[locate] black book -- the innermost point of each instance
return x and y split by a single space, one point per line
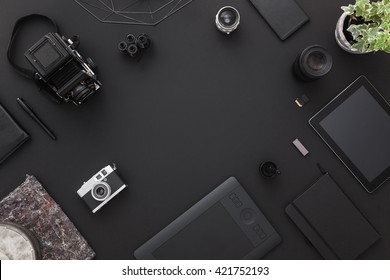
12 136
331 222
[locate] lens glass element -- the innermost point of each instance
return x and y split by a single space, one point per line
101 191
316 60
227 17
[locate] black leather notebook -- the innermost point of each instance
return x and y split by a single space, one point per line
331 222
284 16
12 136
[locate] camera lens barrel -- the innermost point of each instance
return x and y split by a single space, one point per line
227 19
81 92
101 191
312 63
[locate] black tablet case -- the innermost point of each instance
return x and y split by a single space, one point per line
12 136
331 222
284 16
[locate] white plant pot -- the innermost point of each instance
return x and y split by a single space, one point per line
340 37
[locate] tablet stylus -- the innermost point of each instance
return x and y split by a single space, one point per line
31 113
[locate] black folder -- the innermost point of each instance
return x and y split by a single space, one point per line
331 222
12 136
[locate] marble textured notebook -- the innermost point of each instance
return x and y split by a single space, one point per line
31 206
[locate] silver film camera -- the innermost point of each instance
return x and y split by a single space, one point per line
101 188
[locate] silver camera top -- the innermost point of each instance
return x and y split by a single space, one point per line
99 177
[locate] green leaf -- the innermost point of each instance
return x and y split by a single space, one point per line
355 30
360 46
350 9
374 33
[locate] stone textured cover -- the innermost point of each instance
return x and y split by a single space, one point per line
31 206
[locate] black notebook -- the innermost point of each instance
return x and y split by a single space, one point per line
332 223
12 136
284 16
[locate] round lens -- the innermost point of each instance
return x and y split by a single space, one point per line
227 17
101 191
81 92
316 61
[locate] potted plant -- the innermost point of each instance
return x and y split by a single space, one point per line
364 27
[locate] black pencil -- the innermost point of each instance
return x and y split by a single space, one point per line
31 113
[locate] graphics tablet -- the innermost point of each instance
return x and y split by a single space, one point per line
225 224
356 126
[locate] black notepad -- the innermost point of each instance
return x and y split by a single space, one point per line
12 136
284 16
331 222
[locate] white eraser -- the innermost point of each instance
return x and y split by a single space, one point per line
300 147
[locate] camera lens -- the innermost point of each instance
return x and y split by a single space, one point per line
227 19
101 191
312 63
81 92
316 61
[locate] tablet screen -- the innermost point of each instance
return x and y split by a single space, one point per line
361 129
356 126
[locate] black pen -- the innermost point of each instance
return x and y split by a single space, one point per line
31 113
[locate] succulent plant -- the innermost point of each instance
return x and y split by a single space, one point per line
369 25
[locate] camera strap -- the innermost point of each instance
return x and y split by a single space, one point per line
21 70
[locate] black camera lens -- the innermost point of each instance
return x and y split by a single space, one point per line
227 19
101 191
316 61
81 92
312 63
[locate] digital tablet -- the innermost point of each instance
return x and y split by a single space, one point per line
225 224
356 126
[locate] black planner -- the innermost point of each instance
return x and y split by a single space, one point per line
283 16
331 222
12 136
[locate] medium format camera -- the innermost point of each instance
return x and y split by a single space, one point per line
60 69
101 188
227 19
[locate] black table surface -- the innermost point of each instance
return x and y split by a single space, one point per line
199 107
